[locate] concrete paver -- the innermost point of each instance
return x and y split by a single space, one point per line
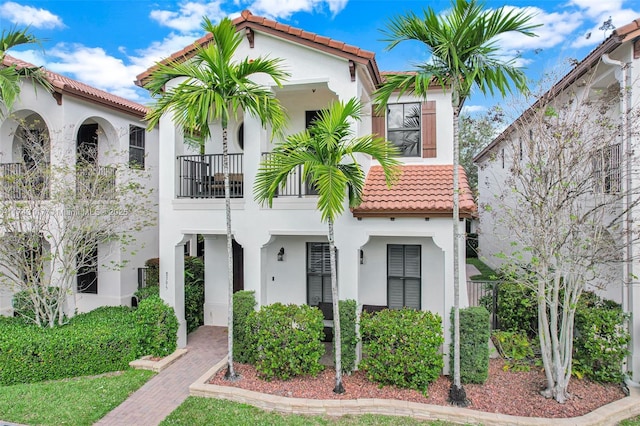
157 398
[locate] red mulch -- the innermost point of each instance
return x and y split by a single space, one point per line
507 392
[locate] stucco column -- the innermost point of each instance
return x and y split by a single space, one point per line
172 281
215 280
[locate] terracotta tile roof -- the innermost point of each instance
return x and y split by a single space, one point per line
421 191
66 86
297 35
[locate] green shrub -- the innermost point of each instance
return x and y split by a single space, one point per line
147 292
193 292
475 332
348 334
286 339
153 272
515 348
402 347
97 342
244 302
157 327
517 308
601 340
23 305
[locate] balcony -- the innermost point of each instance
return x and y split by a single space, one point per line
201 176
22 181
95 182
294 186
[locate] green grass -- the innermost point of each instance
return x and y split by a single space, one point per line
80 401
486 273
207 411
635 421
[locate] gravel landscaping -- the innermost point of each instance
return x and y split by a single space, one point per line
507 392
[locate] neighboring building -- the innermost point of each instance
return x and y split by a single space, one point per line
80 120
395 249
610 67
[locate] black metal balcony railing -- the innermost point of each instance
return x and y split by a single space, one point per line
201 176
21 181
294 186
96 182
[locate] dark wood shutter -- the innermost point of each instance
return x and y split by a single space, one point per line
429 142
378 122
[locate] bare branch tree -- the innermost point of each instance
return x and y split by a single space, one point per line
54 216
560 200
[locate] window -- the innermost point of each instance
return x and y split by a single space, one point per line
606 170
403 276
87 144
318 274
403 128
502 157
136 147
87 276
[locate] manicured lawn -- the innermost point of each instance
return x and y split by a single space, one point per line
207 411
80 401
486 273
630 422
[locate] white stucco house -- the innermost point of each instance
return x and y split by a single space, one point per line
612 67
395 249
78 118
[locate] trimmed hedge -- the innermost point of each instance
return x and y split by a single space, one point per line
402 347
244 302
286 339
97 342
147 292
475 332
601 340
348 335
157 327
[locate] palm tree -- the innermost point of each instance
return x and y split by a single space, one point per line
326 153
463 44
10 75
215 88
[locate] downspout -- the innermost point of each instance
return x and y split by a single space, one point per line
625 84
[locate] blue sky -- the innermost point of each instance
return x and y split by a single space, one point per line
107 43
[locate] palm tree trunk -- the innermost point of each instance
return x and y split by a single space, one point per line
457 394
230 374
337 337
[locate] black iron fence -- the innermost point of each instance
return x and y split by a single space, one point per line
96 182
485 293
22 181
201 176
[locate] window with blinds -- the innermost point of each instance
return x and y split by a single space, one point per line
403 276
318 274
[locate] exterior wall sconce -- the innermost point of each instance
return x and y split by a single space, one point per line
281 254
361 257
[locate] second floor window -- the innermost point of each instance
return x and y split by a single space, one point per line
136 147
403 128
606 170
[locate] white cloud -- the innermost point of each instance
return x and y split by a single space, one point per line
189 16
93 66
283 9
30 16
159 50
473 109
618 18
597 8
555 29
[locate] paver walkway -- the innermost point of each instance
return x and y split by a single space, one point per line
150 404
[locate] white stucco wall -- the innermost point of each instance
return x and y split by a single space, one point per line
115 287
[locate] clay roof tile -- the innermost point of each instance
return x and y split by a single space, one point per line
422 190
